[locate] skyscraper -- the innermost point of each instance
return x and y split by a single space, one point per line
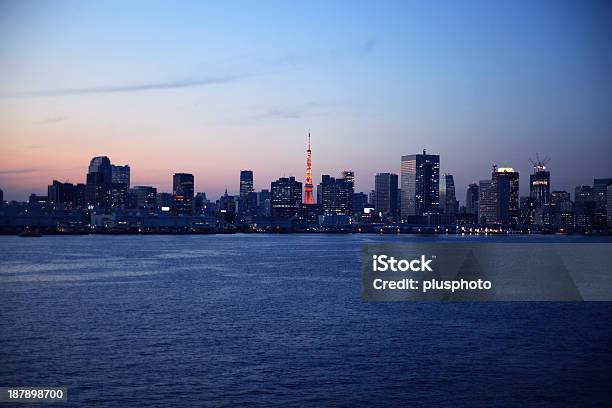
507 183
471 199
335 196
308 187
286 197
385 194
539 183
448 200
182 191
487 202
246 183
584 206
420 184
99 180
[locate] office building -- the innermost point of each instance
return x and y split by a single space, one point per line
507 184
182 192
385 194
99 180
420 178
471 199
145 197
487 202
246 183
120 175
286 195
539 184
61 193
335 196
448 201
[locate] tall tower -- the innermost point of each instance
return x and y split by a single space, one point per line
308 196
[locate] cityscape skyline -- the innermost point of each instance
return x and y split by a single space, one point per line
226 87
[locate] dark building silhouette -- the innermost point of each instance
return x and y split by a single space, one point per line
448 201
246 182
420 178
99 180
471 199
506 181
145 197
584 207
539 184
61 193
120 186
385 194
360 201
286 197
182 192
335 196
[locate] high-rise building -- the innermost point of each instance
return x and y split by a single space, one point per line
146 197
1 197
487 202
600 192
448 201
246 183
264 203
539 183
385 194
182 191
79 195
471 199
99 180
360 201
507 183
349 176
286 195
120 174
335 196
120 186
61 193
308 187
584 207
420 184
561 211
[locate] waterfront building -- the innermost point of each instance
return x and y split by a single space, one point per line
584 207
145 197
420 178
335 196
99 180
246 183
471 199
448 201
286 197
487 202
539 183
385 194
506 181
182 192
61 193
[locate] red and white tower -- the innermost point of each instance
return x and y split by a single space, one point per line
308 196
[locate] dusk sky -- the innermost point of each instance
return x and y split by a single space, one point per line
215 87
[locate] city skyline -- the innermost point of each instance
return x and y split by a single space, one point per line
236 86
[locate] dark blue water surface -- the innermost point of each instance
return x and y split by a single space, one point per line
276 320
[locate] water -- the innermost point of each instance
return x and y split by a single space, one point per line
276 320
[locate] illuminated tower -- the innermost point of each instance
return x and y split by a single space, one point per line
308 196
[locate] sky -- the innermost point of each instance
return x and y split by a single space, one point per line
212 88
